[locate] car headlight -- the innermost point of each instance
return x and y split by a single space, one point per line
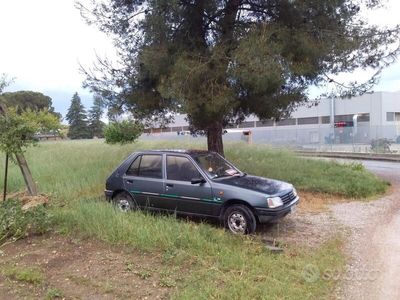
294 191
274 202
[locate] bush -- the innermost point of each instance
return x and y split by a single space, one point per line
123 132
16 223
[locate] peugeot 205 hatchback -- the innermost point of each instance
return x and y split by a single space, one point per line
201 183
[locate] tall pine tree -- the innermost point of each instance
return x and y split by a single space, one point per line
76 117
95 113
222 60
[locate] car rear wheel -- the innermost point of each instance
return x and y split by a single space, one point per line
239 219
124 202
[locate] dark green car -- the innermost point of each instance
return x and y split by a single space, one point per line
200 183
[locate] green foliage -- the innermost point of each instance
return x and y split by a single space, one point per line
96 126
16 223
219 61
347 180
215 264
123 132
76 117
25 275
54 293
221 265
55 162
18 129
29 100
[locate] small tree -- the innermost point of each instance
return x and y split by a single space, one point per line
96 126
18 130
123 132
76 117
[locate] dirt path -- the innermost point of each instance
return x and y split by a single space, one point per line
374 241
82 269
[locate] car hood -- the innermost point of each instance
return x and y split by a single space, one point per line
259 184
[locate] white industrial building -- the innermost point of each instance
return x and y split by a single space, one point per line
356 120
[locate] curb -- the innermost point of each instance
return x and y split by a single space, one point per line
352 155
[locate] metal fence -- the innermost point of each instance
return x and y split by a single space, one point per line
362 139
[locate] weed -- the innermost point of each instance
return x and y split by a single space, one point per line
143 274
16 223
54 293
167 282
129 267
28 275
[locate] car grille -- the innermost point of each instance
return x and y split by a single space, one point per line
287 198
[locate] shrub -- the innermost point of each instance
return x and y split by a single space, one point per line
123 132
16 223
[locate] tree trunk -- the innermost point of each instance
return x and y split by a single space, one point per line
26 173
214 138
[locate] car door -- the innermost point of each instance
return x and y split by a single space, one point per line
191 198
144 180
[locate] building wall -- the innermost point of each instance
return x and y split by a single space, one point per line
376 105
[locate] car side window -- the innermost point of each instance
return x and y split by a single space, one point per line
134 168
147 165
180 168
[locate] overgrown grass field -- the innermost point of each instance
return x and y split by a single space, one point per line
71 170
214 263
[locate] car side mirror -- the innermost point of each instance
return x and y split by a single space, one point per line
197 180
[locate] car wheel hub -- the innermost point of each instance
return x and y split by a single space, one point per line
123 205
237 223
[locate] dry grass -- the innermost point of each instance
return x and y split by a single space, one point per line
29 201
314 202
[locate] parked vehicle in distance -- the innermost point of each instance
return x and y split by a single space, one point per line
200 183
183 132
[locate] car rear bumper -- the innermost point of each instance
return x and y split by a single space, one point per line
270 214
108 194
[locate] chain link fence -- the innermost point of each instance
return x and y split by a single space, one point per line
361 139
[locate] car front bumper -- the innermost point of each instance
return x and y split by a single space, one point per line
270 214
108 194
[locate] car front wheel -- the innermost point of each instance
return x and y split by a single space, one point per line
239 219
124 202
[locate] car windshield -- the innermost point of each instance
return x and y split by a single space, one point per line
215 165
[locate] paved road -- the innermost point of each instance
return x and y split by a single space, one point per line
387 170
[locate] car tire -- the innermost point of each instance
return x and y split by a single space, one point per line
239 219
124 202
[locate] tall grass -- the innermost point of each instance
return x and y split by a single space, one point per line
75 169
347 180
216 264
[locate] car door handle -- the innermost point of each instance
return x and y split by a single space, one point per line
170 185
129 181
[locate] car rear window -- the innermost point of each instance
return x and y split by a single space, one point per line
147 165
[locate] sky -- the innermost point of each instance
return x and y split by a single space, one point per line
43 42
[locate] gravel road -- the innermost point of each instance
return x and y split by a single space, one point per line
373 245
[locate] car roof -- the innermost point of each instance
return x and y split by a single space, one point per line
177 151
